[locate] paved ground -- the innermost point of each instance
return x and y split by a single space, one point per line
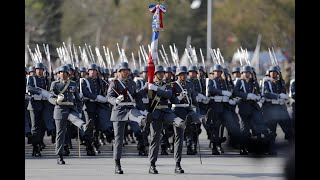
227 166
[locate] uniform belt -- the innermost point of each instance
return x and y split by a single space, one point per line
126 104
66 103
161 107
180 105
274 101
220 98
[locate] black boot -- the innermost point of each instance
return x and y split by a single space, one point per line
164 149
190 150
36 151
243 150
152 169
143 151
90 150
29 137
215 150
118 169
178 168
195 150
42 145
60 159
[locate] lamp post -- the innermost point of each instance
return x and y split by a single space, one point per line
195 5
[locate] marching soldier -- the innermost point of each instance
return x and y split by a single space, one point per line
168 131
236 74
67 107
122 94
274 108
222 111
197 87
185 105
160 113
249 110
36 107
27 121
94 90
292 95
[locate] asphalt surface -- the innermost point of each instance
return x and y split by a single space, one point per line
229 165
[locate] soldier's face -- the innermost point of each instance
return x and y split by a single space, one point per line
273 74
93 73
63 75
124 73
83 74
182 76
246 75
160 75
193 74
144 75
39 72
236 74
217 73
201 73
168 75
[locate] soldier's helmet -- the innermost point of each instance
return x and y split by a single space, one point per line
26 69
225 70
174 69
144 69
114 70
123 66
181 69
99 69
76 69
246 68
217 67
31 69
83 69
70 66
267 73
236 69
39 66
46 68
63 68
253 70
193 68
273 68
106 71
159 68
92 67
201 68
135 72
168 69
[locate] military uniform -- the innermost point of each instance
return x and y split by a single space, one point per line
67 107
160 113
36 107
274 107
122 94
221 111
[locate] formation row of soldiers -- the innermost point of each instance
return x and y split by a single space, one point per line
105 103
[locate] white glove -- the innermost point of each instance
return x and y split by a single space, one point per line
251 96
80 95
101 99
232 102
80 115
206 100
201 96
145 112
119 99
60 98
226 93
198 99
258 97
181 96
153 87
283 96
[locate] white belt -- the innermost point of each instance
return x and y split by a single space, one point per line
126 104
161 107
275 101
37 97
66 103
145 100
180 105
220 98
